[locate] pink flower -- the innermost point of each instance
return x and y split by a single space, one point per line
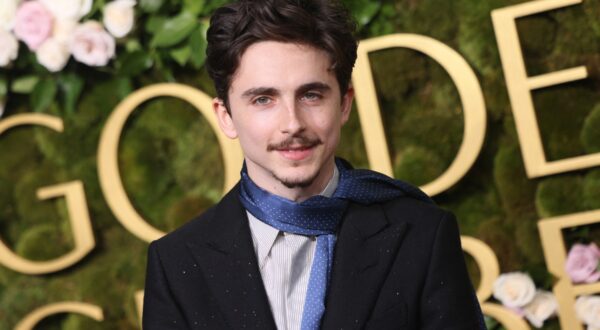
582 263
33 24
92 45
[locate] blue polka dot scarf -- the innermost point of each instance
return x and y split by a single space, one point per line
320 216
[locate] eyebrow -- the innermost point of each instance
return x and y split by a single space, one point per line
260 91
319 86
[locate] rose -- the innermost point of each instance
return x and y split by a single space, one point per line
542 307
53 55
33 23
9 49
63 30
582 263
587 309
91 44
119 17
514 290
68 9
8 9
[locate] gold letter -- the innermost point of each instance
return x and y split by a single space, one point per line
76 204
520 86
489 270
555 253
108 167
470 94
139 304
39 314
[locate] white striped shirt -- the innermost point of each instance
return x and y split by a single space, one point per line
285 261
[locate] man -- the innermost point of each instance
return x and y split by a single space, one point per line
303 241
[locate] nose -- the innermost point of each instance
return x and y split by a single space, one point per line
292 120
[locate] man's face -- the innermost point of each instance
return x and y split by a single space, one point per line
287 111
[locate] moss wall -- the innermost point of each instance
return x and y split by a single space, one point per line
172 168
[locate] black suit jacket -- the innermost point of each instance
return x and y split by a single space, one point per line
397 265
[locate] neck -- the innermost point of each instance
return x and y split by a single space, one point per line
296 194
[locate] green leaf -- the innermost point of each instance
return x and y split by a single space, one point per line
133 45
3 87
123 87
43 94
71 86
174 30
194 6
198 45
24 85
181 55
212 5
151 6
154 23
132 64
363 10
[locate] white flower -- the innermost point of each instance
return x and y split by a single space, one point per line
8 10
588 310
119 17
9 49
68 9
514 290
542 307
63 30
91 44
53 55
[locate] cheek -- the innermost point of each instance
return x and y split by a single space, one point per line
254 129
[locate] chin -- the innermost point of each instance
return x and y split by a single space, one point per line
301 180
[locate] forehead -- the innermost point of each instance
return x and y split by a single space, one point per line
281 65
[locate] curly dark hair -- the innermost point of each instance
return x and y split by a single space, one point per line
323 24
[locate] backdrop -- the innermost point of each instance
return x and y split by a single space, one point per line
172 167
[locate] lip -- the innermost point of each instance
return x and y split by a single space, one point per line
296 153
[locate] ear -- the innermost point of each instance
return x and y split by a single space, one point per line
347 100
224 118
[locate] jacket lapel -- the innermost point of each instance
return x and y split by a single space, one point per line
366 248
229 266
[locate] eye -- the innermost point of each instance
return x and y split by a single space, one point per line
311 96
262 100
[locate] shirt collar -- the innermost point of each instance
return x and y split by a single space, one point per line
263 235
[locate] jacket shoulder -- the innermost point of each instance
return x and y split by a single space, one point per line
207 225
411 210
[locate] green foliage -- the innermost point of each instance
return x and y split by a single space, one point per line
559 195
515 190
590 134
591 190
410 165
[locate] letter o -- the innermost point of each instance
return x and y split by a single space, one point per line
108 167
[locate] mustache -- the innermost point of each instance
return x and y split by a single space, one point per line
296 141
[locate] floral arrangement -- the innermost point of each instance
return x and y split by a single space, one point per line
517 292
582 267
52 48
53 31
588 311
582 263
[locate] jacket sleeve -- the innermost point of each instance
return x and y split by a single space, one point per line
448 300
161 311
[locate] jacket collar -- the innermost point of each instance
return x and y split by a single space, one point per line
226 253
229 266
